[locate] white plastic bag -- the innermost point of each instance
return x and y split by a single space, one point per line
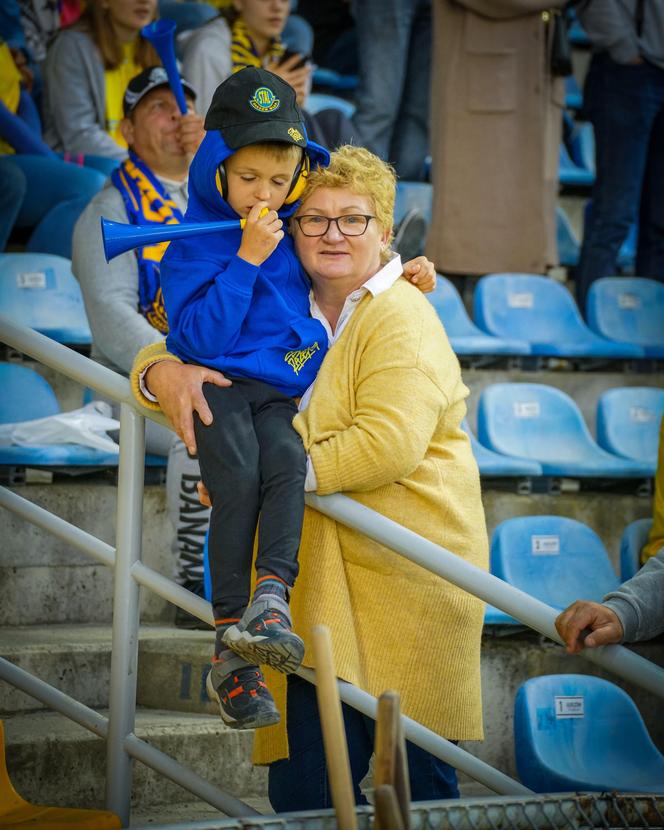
87 426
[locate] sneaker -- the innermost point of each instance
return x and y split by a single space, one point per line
264 635
244 700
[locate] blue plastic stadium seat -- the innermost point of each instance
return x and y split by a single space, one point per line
464 335
492 464
628 422
334 80
554 559
530 420
26 395
570 173
413 196
569 247
579 733
543 313
634 537
318 101
629 308
39 291
582 146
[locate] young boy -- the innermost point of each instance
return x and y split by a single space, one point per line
237 301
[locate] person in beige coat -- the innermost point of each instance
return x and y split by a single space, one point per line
496 126
381 423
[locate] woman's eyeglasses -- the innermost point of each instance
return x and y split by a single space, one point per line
353 224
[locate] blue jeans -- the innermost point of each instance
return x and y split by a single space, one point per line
300 782
394 53
625 104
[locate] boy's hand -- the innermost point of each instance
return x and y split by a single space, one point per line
261 235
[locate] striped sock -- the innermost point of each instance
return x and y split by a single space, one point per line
271 584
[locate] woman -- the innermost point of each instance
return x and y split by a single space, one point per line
86 72
250 34
383 424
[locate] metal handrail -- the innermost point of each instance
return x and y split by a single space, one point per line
129 573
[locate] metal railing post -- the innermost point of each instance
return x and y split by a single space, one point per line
126 611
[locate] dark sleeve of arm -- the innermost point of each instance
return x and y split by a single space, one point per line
611 28
639 602
206 304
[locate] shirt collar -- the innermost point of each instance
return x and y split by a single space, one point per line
381 281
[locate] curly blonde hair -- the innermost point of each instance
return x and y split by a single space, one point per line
362 172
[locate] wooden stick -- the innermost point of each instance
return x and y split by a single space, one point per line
402 778
334 735
386 811
387 736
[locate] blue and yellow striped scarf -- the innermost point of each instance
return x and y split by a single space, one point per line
243 50
147 203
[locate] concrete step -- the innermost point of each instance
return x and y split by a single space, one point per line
45 581
54 761
76 659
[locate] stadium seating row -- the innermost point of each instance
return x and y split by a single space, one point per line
524 430
515 314
558 560
526 314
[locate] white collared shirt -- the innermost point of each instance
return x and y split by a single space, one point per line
381 281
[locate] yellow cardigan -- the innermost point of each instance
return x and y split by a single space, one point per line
384 426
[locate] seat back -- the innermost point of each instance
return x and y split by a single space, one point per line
568 244
451 310
572 732
40 291
629 309
634 537
413 196
318 101
526 306
531 420
25 395
628 421
552 558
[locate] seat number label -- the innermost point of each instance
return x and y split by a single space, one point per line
545 545
569 706
526 409
627 300
31 279
521 300
641 415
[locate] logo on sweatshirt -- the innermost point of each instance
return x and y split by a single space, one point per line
264 100
296 360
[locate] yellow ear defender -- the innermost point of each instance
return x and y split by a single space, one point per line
296 189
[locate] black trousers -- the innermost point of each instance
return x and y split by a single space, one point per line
252 462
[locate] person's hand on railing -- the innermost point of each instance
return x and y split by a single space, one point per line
179 389
582 616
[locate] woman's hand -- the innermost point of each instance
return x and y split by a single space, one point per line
422 273
261 234
179 389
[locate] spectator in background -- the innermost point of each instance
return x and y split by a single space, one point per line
496 126
335 41
123 297
394 54
249 34
624 101
41 192
86 71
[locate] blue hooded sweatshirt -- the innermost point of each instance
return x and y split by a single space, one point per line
225 313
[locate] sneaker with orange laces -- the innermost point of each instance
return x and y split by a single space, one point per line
240 690
264 635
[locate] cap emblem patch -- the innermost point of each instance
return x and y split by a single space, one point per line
264 100
295 134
